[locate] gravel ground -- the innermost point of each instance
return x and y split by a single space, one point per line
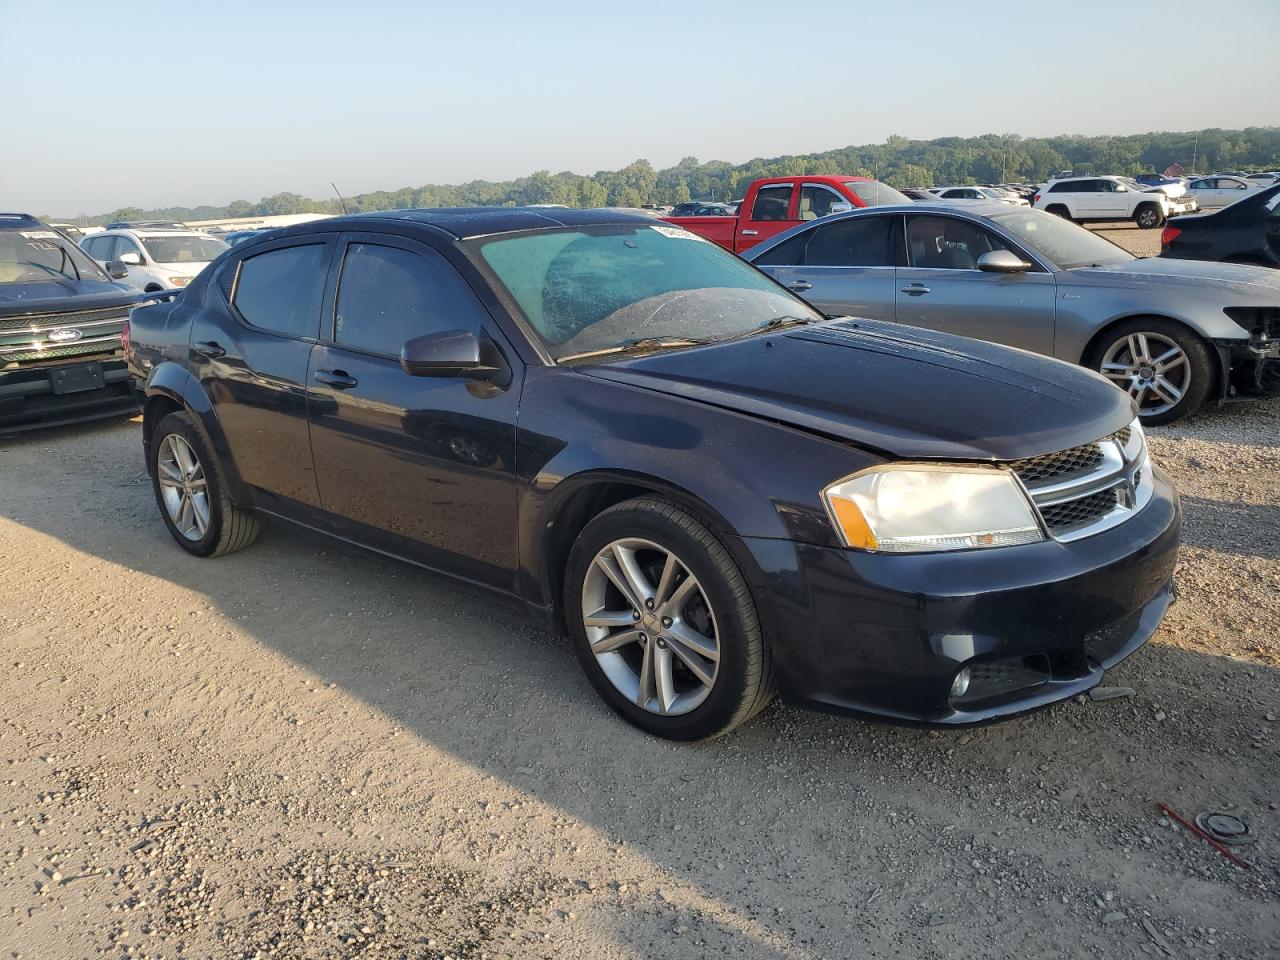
305 751
1141 243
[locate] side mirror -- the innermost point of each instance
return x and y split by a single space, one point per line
840 207
1121 188
132 259
1002 261
455 353
116 270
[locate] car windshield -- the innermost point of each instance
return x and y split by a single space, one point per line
28 256
592 290
876 194
183 249
1061 242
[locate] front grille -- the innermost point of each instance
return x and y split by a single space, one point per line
1088 488
1054 466
28 338
1066 517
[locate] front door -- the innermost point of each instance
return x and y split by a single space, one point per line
421 467
772 211
251 351
943 289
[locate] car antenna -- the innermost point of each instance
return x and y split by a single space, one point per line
340 200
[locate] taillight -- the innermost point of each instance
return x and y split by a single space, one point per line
1168 235
1036 198
125 343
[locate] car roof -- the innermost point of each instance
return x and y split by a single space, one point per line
465 223
154 232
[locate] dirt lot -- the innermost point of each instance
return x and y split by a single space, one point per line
1141 243
307 751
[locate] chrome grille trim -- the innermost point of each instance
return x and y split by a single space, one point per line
1088 489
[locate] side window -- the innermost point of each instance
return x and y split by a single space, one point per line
949 243
1235 185
1104 186
789 253
97 247
772 203
387 295
856 242
280 290
815 202
1067 187
125 245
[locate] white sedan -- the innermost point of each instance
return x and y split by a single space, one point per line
1213 193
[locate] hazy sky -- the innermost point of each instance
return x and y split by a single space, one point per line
179 103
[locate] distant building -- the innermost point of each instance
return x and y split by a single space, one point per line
254 223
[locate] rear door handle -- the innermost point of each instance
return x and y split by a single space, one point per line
209 348
799 285
915 289
751 233
338 379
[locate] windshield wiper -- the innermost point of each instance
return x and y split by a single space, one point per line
637 345
786 320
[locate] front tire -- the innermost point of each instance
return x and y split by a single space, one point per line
187 480
1148 216
663 623
1166 368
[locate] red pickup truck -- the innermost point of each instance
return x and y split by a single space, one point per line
775 204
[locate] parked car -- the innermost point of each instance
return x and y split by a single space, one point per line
1263 179
158 258
60 322
1214 193
1103 198
646 442
1173 335
775 204
1246 232
700 209
979 193
918 194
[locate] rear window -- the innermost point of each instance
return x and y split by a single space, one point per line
280 290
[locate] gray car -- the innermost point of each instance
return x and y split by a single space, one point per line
1173 333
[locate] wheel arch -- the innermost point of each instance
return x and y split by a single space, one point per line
579 499
1222 370
172 388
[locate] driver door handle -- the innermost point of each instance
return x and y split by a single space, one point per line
915 289
338 379
799 285
209 348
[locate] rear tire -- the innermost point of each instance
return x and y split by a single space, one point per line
687 622
1058 210
189 489
1148 216
1166 367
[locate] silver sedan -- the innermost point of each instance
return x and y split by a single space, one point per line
1174 333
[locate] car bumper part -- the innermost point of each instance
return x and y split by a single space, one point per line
45 395
886 636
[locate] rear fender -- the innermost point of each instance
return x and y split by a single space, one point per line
175 382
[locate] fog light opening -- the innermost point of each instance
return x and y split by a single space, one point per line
960 685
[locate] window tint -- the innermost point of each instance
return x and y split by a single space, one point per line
856 242
1104 186
280 290
387 296
772 203
788 253
1063 188
949 243
815 202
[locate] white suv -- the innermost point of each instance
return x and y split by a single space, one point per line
157 258
1104 198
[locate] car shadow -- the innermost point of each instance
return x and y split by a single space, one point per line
832 812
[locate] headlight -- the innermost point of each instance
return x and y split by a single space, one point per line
917 508
179 281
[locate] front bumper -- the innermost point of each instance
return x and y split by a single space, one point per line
30 397
885 635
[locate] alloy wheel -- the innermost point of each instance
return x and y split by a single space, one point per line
1151 367
183 487
650 626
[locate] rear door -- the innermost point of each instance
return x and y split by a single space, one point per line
422 467
844 268
251 349
772 211
942 288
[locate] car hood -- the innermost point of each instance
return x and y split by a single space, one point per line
1239 278
69 296
898 390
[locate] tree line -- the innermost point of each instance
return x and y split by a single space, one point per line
992 158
